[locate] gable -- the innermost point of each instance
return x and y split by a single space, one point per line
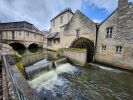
80 21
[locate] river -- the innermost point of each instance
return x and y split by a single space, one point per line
69 82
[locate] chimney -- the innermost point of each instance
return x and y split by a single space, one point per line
122 3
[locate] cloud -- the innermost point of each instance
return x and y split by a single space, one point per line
40 12
97 20
108 5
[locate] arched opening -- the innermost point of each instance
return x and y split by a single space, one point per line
33 48
84 43
20 48
17 46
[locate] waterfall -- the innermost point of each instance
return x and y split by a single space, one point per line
52 79
41 66
37 68
61 61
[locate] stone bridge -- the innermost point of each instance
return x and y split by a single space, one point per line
22 44
13 84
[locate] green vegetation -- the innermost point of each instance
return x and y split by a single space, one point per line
51 50
72 49
19 62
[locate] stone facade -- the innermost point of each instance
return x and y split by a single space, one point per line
77 57
121 21
22 32
79 22
53 41
61 19
113 38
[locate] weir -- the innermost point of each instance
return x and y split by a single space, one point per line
42 66
51 84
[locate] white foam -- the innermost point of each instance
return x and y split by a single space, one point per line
110 69
49 79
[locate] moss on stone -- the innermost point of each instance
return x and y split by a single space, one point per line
19 62
72 49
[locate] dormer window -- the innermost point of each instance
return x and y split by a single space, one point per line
61 19
77 33
109 32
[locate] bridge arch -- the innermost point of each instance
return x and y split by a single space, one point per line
33 46
17 45
84 43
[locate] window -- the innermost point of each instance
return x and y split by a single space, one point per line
77 33
0 35
6 34
34 35
13 35
19 33
27 33
118 49
103 48
61 19
53 23
109 32
54 41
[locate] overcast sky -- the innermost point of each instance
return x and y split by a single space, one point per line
40 12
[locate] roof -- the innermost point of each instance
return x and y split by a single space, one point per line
65 10
130 3
55 35
20 25
78 12
108 17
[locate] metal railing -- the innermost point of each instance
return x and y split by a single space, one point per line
12 79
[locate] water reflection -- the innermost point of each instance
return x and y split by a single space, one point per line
33 50
31 56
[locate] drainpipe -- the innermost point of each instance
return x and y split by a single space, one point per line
97 28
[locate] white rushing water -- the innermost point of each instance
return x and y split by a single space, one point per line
50 79
110 69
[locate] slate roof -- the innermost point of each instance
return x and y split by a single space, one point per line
65 10
20 25
55 35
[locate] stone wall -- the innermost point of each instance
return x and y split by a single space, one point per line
79 22
14 83
78 57
66 18
122 22
21 36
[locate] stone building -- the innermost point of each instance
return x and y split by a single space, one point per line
61 19
115 37
79 26
53 41
112 39
23 33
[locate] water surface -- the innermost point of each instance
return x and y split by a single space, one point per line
69 82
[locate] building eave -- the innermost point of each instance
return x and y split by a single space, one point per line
108 17
21 29
61 14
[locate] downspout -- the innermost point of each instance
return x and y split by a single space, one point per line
97 28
